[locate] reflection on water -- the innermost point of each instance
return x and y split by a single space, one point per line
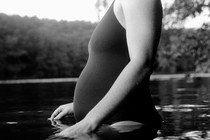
183 104
123 130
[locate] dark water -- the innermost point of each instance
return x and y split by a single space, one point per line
183 103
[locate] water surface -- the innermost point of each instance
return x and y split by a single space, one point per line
183 104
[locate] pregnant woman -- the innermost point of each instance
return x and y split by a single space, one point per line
114 85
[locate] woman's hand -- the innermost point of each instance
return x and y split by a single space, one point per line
62 111
59 124
83 127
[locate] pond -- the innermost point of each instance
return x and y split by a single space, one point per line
182 102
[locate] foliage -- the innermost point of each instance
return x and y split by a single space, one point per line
184 51
181 49
100 6
176 14
34 48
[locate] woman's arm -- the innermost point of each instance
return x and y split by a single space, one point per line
143 26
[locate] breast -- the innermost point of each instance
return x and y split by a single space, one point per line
109 36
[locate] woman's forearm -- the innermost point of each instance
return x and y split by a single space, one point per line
131 76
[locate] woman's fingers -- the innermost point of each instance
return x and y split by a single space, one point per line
62 111
55 113
77 129
60 115
71 132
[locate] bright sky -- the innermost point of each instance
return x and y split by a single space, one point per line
63 10
51 9
204 17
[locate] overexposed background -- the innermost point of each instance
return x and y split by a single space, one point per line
71 10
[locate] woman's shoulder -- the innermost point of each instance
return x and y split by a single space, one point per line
139 3
140 6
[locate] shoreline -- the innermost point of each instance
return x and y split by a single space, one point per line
59 80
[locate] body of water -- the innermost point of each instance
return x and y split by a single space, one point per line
182 102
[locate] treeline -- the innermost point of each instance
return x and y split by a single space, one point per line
184 50
35 48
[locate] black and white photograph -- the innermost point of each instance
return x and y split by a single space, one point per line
104 69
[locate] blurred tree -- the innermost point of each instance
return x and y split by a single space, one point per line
176 14
184 49
101 5
34 48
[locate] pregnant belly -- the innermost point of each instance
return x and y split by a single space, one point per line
94 82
